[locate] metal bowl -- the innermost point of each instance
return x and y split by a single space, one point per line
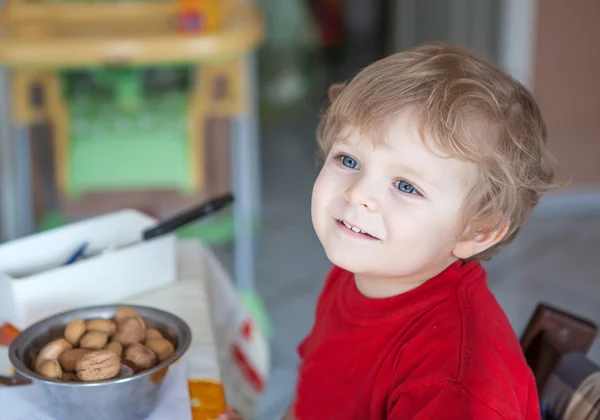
129 398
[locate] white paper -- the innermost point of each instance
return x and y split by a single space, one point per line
5 366
174 400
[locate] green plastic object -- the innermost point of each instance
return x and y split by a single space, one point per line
128 129
52 220
126 86
214 231
112 150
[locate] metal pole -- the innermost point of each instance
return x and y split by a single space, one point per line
24 190
246 180
9 227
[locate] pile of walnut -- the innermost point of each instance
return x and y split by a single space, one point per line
94 350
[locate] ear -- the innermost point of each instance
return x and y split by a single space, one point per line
480 242
335 90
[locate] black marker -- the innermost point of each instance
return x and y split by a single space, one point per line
181 219
167 226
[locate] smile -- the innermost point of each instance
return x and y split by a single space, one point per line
348 227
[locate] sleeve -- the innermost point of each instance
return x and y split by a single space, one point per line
302 346
449 400
321 304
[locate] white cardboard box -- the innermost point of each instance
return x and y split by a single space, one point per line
35 283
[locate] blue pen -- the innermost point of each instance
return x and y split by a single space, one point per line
77 254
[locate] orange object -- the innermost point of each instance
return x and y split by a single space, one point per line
159 374
199 17
207 399
7 334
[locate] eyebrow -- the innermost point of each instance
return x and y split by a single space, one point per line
408 170
341 138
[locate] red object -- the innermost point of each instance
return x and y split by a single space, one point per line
191 21
330 21
248 371
247 330
443 350
131 365
7 334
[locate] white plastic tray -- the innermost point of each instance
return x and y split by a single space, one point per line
35 283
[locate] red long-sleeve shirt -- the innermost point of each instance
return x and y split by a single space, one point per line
444 350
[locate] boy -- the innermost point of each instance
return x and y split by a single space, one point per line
434 159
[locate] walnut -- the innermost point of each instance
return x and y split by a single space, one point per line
162 347
131 331
140 355
100 324
68 359
74 331
94 340
98 365
124 312
50 369
115 347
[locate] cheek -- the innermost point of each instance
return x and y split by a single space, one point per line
319 196
325 186
318 190
422 226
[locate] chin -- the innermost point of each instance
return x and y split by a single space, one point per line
369 264
348 261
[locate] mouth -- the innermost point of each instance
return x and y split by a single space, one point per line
355 230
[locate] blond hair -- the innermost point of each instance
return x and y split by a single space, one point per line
470 110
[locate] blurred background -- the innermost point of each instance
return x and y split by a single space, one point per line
549 45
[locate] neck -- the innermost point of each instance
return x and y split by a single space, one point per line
379 287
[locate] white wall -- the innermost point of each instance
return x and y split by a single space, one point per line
517 38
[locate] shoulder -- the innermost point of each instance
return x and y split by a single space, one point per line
493 365
467 343
456 401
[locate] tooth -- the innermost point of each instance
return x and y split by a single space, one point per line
357 230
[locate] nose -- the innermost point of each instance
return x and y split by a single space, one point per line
362 193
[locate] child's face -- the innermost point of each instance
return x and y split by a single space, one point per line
406 201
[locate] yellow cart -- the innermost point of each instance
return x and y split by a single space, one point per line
39 39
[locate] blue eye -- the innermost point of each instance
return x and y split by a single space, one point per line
405 187
348 162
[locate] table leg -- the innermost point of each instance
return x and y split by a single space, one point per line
8 189
246 184
25 206
255 133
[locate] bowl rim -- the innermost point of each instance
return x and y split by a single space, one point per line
21 368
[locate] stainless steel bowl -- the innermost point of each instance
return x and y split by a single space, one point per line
130 398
